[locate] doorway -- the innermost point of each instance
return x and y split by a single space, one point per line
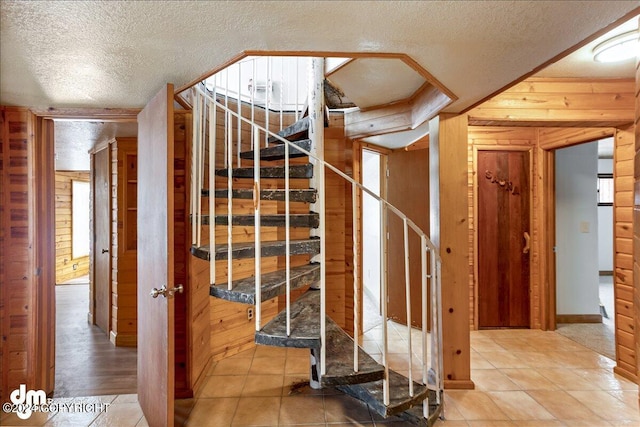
372 178
584 230
503 215
86 361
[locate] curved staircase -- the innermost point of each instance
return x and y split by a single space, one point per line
288 164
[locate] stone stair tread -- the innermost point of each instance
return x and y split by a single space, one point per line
273 284
340 364
310 220
293 132
371 393
247 250
266 172
305 324
277 151
307 195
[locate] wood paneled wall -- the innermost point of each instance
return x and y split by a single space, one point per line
563 112
16 249
560 102
636 220
65 262
124 328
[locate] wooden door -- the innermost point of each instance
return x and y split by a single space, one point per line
155 259
102 239
408 190
503 239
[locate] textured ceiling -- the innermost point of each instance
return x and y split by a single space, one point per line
98 54
118 53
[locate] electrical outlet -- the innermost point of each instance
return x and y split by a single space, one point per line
250 313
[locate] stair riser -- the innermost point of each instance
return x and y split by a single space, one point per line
277 151
297 248
306 196
296 221
295 172
298 130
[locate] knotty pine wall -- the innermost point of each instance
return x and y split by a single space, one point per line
636 220
64 258
16 248
555 113
124 328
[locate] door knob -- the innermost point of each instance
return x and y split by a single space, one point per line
104 251
166 292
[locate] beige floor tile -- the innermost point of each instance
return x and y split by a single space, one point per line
126 398
518 405
301 410
476 405
269 351
69 419
232 366
478 361
263 385
515 344
297 365
539 423
606 406
212 412
529 379
450 423
586 423
182 409
295 385
142 423
567 379
504 359
268 365
491 423
492 380
121 415
223 386
629 397
485 346
340 408
562 405
257 411
244 354
537 359
605 379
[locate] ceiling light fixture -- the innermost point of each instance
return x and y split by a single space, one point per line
619 48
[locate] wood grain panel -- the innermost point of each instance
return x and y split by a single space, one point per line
16 251
560 102
633 369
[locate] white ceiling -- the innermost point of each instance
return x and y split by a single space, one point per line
99 54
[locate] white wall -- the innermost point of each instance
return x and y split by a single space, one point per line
605 225
371 225
577 230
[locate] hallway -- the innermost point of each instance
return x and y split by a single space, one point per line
87 363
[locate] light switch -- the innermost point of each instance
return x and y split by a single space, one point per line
584 226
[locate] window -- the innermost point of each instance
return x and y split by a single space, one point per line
605 189
79 219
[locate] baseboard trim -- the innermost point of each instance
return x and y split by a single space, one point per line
459 384
579 318
123 340
625 374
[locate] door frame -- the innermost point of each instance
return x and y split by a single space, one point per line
476 149
91 317
358 148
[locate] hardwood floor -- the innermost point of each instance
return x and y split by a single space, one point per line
87 364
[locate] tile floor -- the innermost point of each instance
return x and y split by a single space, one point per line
523 378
